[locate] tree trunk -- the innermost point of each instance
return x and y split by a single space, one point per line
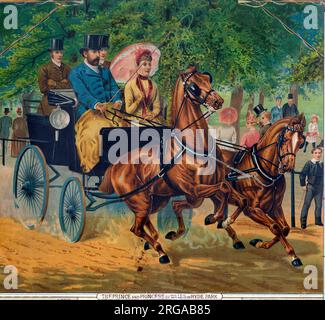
261 98
236 101
294 91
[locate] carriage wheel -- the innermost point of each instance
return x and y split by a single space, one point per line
72 210
31 186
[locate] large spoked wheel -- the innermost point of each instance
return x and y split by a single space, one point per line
72 210
31 186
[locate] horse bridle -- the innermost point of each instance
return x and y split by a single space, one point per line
279 144
192 92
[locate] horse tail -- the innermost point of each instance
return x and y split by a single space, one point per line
106 185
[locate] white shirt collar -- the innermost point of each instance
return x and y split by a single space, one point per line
94 68
314 161
56 63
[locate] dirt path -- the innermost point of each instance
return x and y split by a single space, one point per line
110 259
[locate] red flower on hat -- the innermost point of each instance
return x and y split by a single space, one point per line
139 53
228 115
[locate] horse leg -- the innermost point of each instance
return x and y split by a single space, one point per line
140 221
178 207
225 194
237 244
153 231
257 215
219 199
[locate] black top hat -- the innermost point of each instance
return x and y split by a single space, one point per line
290 96
92 42
56 45
6 110
259 109
104 42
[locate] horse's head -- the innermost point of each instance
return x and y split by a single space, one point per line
290 141
198 88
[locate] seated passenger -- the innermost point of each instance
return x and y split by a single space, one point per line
141 93
97 93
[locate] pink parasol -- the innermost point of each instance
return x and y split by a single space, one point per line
123 66
228 115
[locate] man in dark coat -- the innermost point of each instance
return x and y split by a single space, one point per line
289 109
314 172
54 75
264 119
5 125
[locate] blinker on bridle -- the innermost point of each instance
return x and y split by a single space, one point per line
194 90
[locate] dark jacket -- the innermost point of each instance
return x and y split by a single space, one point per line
314 173
289 111
92 88
59 75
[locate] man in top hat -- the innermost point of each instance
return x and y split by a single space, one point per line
289 109
94 85
53 75
264 119
104 52
5 125
96 92
276 111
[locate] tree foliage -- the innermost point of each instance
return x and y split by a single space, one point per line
238 45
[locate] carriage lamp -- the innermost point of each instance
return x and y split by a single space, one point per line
59 119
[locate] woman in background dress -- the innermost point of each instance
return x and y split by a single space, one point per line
313 132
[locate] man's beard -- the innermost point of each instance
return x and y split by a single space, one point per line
93 62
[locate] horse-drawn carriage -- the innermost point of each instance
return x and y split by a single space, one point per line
52 143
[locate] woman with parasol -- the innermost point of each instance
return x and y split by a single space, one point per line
135 65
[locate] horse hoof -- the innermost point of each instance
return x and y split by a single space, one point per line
219 225
296 262
254 242
209 219
146 246
164 259
171 235
238 245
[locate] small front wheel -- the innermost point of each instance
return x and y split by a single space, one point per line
72 209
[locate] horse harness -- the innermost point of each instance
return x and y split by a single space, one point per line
256 159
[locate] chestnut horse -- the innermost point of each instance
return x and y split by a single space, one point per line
192 90
267 161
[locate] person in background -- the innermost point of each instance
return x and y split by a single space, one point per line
5 125
264 119
19 131
250 137
276 111
312 133
53 75
289 109
103 52
313 170
227 132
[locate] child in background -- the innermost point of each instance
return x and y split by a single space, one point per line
312 133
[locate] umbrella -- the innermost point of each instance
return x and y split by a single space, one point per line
228 115
123 66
